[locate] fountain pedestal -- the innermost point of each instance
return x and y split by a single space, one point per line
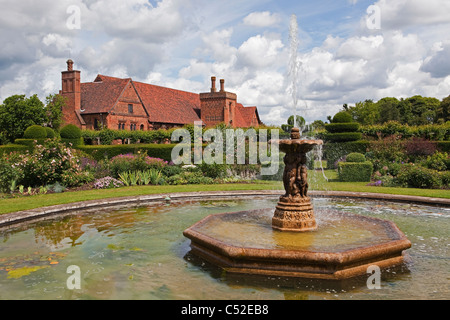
294 211
294 216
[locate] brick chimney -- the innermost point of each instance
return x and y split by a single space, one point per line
71 90
218 107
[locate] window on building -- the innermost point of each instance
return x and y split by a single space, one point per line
142 127
130 108
121 125
133 127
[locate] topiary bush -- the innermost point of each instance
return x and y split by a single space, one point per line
50 133
35 132
70 132
355 171
355 157
342 117
342 127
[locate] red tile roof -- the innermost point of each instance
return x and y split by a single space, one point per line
163 105
101 95
169 105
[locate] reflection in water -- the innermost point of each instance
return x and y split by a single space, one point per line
140 253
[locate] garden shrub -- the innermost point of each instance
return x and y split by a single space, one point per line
162 151
70 131
49 163
355 171
438 161
342 117
332 152
9 173
50 133
355 157
132 162
189 177
416 176
342 127
107 183
418 147
35 132
343 136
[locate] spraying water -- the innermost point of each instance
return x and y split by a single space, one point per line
293 63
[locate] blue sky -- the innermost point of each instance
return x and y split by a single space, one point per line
182 43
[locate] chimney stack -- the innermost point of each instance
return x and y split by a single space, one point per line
69 65
213 84
222 85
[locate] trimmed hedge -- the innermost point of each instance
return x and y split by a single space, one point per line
70 132
6 149
50 133
343 136
355 157
74 142
342 117
342 127
29 143
334 151
162 151
355 171
35 132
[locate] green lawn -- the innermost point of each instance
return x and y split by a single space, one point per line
316 180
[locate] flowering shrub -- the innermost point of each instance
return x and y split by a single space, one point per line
107 183
134 162
49 163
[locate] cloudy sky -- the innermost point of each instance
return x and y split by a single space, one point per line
349 50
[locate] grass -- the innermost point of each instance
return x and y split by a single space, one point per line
316 180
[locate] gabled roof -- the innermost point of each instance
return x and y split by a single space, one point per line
245 115
169 105
101 95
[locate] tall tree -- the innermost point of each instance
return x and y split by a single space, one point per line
444 113
53 110
17 113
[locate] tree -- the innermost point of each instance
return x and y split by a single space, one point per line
17 113
53 110
365 113
290 123
388 108
444 111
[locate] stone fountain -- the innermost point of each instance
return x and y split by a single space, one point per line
294 211
293 244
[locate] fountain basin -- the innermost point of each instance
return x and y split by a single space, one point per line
344 245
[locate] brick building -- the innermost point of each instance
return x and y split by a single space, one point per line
125 104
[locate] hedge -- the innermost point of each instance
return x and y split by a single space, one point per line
73 142
443 146
35 132
6 149
343 136
70 132
162 151
334 151
355 171
355 157
436 132
342 127
29 142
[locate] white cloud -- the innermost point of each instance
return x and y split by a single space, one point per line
438 62
397 14
262 19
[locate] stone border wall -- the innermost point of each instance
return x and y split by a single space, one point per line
57 210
